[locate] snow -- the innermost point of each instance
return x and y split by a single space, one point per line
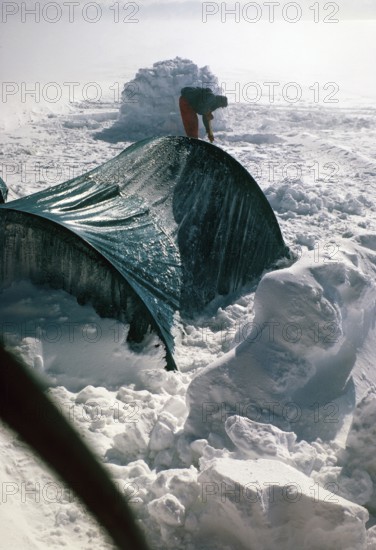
296 356
266 502
54 331
150 102
265 438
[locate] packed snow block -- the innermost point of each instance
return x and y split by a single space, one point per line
150 102
306 359
168 225
361 441
359 459
265 504
3 191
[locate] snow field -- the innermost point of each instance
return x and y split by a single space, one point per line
283 377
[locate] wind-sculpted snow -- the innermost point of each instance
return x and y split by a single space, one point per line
304 362
168 225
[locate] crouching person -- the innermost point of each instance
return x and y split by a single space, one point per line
199 101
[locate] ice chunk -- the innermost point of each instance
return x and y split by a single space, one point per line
167 510
265 504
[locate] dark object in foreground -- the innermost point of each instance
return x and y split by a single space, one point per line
61 447
3 191
168 225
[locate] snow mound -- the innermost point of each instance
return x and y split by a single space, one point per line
301 364
150 102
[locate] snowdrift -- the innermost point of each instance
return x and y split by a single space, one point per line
305 362
168 225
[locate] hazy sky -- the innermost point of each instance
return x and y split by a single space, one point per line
111 44
346 8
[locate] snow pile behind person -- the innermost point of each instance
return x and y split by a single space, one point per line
150 102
